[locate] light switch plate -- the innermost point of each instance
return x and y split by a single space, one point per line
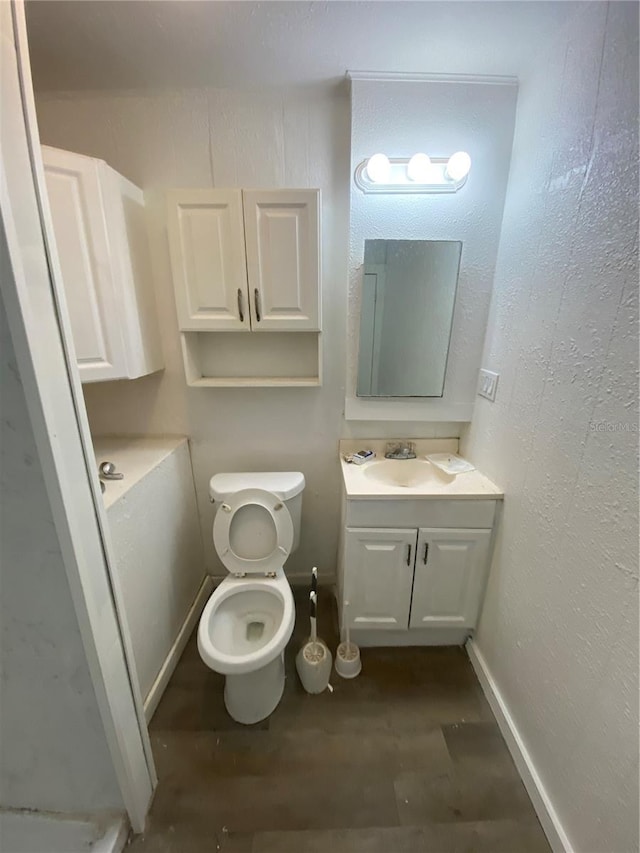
488 384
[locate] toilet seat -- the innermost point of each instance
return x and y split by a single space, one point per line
283 528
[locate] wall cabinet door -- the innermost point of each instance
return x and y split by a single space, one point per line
73 187
449 580
206 240
282 231
378 574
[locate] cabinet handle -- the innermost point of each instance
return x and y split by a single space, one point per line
426 553
256 299
240 311
408 555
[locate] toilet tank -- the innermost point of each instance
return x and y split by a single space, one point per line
287 485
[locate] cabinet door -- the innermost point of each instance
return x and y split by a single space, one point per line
73 187
206 241
378 574
449 580
282 230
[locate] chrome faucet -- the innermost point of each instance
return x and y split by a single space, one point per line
400 450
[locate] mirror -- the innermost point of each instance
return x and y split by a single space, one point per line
408 294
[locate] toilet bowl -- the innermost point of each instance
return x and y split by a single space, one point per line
242 634
248 621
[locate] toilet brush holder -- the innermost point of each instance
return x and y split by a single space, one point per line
348 663
313 661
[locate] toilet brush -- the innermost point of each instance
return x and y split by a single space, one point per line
313 661
348 663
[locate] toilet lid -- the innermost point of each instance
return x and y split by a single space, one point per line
278 545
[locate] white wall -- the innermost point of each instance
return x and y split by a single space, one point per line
560 624
53 750
400 118
200 138
156 537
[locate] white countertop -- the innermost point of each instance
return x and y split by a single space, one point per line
133 457
471 485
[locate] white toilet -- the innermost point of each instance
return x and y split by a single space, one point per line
249 619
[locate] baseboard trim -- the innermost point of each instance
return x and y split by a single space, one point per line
556 835
114 839
166 671
376 638
98 832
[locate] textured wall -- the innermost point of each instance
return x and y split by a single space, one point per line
560 624
53 751
401 118
200 138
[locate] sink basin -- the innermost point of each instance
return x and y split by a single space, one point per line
403 473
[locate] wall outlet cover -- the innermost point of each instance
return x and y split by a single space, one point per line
487 384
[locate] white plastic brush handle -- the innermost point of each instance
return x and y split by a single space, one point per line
313 608
346 624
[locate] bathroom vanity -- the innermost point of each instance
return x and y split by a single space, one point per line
415 547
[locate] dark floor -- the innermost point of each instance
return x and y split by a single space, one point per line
405 758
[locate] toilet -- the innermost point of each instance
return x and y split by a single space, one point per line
249 618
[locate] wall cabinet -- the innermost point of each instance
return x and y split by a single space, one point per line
206 240
414 585
247 261
100 230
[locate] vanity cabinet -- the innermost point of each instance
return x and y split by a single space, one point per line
246 261
399 579
449 577
418 584
379 577
99 224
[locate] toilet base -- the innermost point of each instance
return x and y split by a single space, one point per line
251 697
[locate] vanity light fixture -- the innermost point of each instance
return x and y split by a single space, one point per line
419 168
418 174
458 166
378 168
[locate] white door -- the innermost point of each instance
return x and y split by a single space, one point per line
378 574
206 241
76 203
449 580
282 231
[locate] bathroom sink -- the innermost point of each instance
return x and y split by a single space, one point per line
407 473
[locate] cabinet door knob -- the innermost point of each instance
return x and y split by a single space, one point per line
256 299
408 555
240 311
426 553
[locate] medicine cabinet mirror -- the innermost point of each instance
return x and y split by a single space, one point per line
408 296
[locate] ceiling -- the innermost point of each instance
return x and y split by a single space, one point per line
110 44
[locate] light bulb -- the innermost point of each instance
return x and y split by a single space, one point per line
458 166
378 168
419 168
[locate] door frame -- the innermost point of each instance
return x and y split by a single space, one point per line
41 333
